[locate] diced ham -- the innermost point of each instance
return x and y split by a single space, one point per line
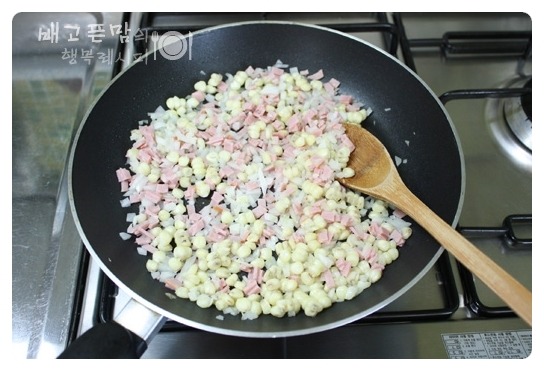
172 283
196 227
149 134
297 208
368 253
149 248
226 171
317 76
345 99
260 110
250 71
245 233
169 174
343 266
250 119
316 161
271 116
143 240
135 197
335 83
276 71
216 198
346 220
153 197
397 237
259 211
153 222
348 143
323 236
329 279
329 216
140 143
222 87
377 231
309 116
399 213
293 123
277 124
214 236
256 274
329 88
198 95
215 141
123 175
161 188
223 286
190 192
377 265
228 145
251 288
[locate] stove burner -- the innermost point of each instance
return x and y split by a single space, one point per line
527 101
509 120
517 113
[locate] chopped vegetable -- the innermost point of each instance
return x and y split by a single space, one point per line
278 235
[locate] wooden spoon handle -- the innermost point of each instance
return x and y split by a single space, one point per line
514 294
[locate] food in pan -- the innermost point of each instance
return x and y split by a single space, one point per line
277 233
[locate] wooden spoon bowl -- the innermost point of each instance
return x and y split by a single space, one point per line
377 176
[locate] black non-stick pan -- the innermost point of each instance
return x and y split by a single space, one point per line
406 116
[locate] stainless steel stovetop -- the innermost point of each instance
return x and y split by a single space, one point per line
479 64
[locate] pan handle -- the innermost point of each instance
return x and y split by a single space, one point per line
124 337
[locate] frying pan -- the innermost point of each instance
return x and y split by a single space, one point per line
407 117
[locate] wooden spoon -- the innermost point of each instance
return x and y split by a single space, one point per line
376 175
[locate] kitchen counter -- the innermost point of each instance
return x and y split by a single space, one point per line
50 95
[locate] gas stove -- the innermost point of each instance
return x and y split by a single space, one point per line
479 65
